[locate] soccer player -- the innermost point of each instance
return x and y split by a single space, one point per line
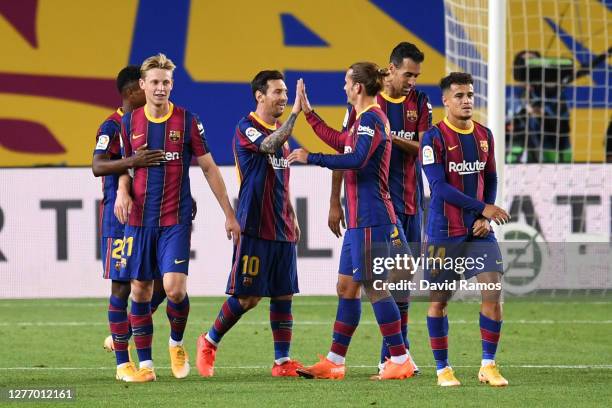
264 263
458 157
409 113
107 162
366 153
157 235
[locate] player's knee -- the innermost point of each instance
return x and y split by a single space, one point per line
175 295
249 302
437 309
348 290
120 290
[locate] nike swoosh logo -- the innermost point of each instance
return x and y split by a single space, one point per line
499 262
179 261
355 270
137 136
451 148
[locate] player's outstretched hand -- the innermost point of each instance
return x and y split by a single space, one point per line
232 228
147 158
298 155
123 206
496 214
304 99
336 217
297 106
481 227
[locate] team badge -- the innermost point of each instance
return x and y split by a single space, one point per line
411 115
387 129
118 265
247 281
174 135
484 146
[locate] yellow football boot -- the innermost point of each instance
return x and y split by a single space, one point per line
490 374
447 378
179 361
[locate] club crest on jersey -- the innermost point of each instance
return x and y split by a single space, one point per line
174 135
411 115
484 146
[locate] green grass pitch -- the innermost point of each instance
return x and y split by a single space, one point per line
554 352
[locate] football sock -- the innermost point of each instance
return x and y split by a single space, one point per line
403 310
230 313
281 322
156 300
142 328
438 338
120 328
177 315
490 331
388 318
347 320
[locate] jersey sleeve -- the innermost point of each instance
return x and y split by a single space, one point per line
107 139
249 137
432 159
199 145
126 147
490 173
364 148
330 136
425 116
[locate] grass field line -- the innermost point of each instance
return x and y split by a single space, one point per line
297 303
260 367
307 323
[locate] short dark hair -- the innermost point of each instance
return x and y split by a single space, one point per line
369 75
458 78
260 82
406 50
126 76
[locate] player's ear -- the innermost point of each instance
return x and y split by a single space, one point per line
259 96
141 82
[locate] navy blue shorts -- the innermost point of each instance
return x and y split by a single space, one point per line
150 252
263 268
411 225
461 257
110 249
362 247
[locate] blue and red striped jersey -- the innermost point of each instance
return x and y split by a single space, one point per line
108 142
264 205
366 156
162 194
409 116
460 168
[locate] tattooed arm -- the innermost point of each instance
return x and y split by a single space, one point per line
273 141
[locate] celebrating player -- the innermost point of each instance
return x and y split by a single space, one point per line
264 262
366 149
107 162
157 237
409 113
458 157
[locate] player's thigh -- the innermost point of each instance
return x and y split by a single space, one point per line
110 250
414 232
173 249
440 259
485 254
251 263
282 274
370 246
139 253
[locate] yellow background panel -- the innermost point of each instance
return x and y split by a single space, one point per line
589 134
73 124
354 30
75 38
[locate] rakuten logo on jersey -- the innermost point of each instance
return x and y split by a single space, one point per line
466 167
170 156
403 134
278 163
